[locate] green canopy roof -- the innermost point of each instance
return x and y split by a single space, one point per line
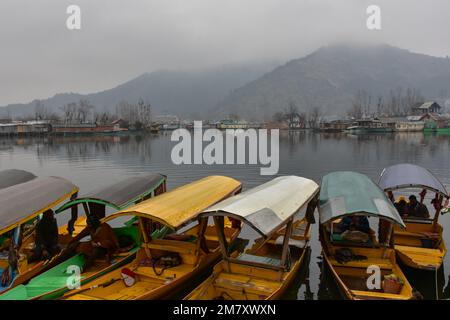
346 193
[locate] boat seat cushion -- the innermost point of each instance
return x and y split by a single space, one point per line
292 242
264 260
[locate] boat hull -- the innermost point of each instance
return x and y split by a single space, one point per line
352 276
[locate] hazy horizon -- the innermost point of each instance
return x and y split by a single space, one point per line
40 57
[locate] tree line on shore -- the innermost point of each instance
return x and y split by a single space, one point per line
137 115
397 103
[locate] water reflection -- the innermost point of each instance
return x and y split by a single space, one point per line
93 161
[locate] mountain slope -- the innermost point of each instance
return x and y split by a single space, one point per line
329 78
188 94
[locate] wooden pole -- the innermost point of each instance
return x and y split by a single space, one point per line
287 237
219 223
144 237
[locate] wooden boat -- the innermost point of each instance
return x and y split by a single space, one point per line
117 196
11 177
421 245
368 126
192 247
268 268
349 194
53 282
21 205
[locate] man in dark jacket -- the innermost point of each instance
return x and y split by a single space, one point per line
46 237
417 209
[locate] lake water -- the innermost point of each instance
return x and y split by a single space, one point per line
93 161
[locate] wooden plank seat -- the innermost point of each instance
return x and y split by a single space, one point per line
172 246
241 282
382 263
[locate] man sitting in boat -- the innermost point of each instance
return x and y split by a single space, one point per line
354 223
417 209
103 241
46 243
402 206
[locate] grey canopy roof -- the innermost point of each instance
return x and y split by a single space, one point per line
12 177
269 205
120 194
407 175
22 202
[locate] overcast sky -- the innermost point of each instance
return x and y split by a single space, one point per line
120 40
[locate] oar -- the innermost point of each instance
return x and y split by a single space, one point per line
101 285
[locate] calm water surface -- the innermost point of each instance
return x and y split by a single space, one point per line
93 161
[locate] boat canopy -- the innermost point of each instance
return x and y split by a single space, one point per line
408 175
120 194
22 202
12 177
347 193
268 206
183 204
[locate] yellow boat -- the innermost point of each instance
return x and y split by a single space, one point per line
20 207
188 251
421 245
363 264
269 266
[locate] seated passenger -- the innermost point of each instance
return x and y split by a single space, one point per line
354 223
103 241
402 206
46 243
417 209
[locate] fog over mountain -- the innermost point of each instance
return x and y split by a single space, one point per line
328 78
331 76
185 93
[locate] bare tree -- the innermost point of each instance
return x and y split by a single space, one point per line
69 112
40 110
138 115
84 110
314 117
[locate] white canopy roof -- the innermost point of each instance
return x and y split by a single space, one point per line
407 175
269 205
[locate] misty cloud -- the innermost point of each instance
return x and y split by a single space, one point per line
119 40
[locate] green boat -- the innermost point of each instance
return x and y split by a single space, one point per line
432 127
54 282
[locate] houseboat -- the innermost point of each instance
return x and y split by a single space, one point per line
369 126
232 124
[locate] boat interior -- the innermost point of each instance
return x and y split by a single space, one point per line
151 273
352 273
55 278
421 244
257 272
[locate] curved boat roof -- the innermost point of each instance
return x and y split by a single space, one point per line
268 206
346 193
12 177
408 175
120 194
183 204
22 202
